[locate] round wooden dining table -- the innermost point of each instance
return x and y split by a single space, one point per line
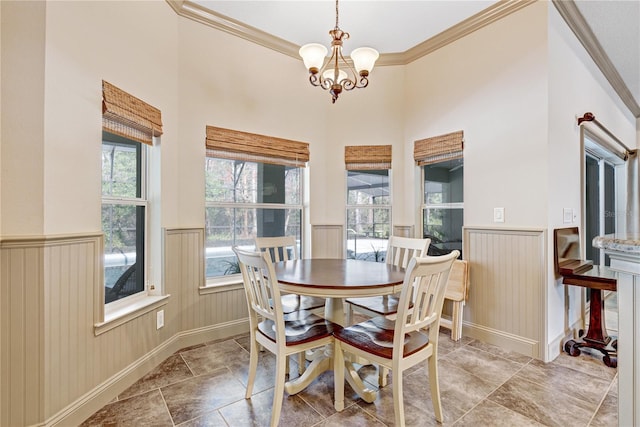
336 279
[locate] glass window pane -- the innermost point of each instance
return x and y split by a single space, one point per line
249 182
443 182
444 227
120 170
226 227
124 246
368 187
368 230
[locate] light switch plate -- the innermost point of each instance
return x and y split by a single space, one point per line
567 215
160 319
498 214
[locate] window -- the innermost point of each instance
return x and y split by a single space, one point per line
368 201
600 193
443 191
253 189
124 206
442 210
128 128
245 200
368 214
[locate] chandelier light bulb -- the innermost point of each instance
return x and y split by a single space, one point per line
313 55
364 59
330 74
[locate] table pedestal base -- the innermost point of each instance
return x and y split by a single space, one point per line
324 363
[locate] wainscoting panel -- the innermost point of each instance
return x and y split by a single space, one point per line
54 370
507 292
327 241
184 274
403 230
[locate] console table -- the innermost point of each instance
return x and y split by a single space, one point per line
624 251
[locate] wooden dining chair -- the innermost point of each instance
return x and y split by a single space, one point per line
284 248
280 333
400 251
410 339
457 293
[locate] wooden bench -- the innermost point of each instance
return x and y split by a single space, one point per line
578 272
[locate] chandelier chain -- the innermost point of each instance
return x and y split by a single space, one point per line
337 27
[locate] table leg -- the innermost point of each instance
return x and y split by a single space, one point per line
317 367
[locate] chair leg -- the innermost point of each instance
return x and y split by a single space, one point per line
383 376
456 321
302 362
338 376
398 397
278 392
435 387
349 314
253 366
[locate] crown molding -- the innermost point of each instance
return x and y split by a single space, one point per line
481 19
499 10
195 12
574 19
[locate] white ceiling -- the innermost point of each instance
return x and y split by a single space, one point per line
387 26
394 26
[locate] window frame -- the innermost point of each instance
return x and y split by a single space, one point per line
142 170
425 206
231 281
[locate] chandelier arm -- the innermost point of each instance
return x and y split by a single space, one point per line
352 81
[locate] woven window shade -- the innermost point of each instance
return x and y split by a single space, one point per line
236 145
367 157
125 115
438 148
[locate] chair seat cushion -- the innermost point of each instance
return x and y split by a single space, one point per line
300 327
293 302
375 336
383 306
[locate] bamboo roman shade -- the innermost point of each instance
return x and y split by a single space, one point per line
237 145
125 115
438 148
367 157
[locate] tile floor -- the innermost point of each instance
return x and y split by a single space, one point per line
481 385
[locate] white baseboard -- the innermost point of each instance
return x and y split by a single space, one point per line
507 341
556 346
92 401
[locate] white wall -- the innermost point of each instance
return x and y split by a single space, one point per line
492 85
576 86
22 168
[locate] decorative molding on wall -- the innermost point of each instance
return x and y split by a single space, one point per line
54 369
508 292
574 19
499 10
327 241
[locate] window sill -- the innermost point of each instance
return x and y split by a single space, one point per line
217 285
129 312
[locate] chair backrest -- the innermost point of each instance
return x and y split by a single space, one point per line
282 248
401 249
567 255
260 285
458 286
424 285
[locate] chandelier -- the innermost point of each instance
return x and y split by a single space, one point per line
337 74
